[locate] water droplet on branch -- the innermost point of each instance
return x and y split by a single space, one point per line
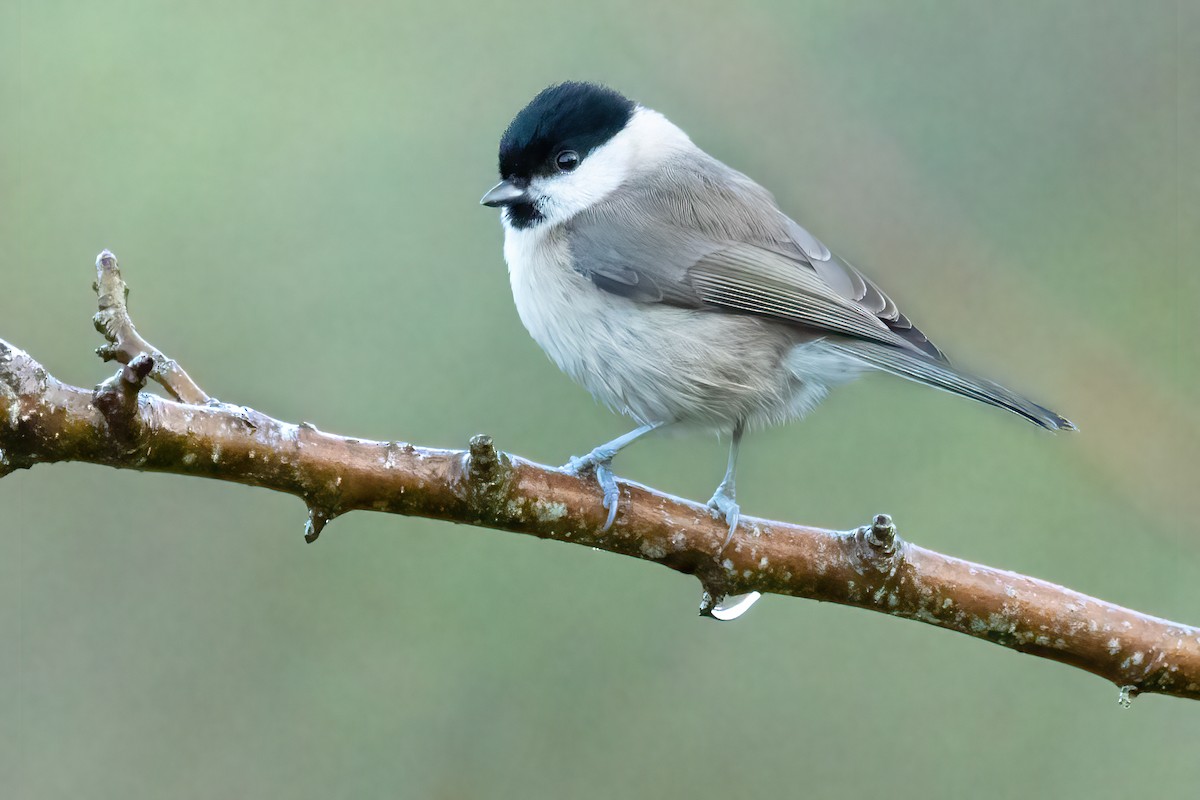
727 609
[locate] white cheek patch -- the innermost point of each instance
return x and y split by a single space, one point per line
564 195
648 139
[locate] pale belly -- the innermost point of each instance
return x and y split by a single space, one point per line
659 363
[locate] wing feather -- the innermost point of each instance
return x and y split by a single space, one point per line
698 234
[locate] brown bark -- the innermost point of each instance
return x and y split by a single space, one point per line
117 424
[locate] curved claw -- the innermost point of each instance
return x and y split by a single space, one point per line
723 505
604 476
600 462
612 495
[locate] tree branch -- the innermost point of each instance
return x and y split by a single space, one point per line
116 424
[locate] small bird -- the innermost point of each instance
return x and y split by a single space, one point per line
674 289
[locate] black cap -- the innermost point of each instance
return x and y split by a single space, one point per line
568 116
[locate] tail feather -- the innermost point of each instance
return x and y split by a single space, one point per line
941 375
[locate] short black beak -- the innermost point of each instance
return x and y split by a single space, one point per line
504 193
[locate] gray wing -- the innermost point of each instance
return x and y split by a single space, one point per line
698 234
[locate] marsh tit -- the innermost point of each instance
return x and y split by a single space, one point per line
675 290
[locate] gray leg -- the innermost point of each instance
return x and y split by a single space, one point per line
600 462
723 501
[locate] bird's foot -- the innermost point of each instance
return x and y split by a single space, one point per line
723 505
599 461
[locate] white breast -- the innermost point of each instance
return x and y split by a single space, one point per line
560 308
656 363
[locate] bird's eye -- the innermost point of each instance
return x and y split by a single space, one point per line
567 160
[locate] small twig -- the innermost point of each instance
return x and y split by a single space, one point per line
117 398
318 518
125 344
882 534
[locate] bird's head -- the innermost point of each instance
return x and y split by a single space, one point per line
570 147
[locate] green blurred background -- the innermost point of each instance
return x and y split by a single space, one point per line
292 190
